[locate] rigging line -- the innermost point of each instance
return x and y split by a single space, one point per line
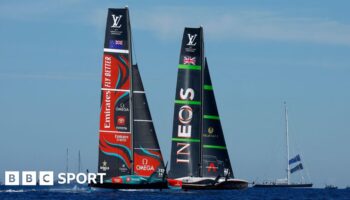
305 168
133 47
296 147
131 115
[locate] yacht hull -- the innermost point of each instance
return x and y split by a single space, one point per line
156 185
209 184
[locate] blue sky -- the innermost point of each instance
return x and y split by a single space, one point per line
259 54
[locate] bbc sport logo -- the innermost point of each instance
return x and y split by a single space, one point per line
47 178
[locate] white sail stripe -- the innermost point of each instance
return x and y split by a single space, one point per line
138 91
149 149
115 50
142 120
118 90
115 132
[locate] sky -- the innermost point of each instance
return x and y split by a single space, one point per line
260 54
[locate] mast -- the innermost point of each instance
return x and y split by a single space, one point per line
131 92
287 141
67 161
200 170
79 162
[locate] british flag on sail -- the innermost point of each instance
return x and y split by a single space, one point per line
189 60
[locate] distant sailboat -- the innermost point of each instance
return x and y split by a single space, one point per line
331 187
199 155
129 152
79 162
294 161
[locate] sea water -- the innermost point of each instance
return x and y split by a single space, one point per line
248 194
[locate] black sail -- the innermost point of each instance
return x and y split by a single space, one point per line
147 155
185 149
115 138
215 158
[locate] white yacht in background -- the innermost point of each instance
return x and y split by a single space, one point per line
294 164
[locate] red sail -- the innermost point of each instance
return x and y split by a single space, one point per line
115 146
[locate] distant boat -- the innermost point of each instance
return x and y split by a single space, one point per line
330 187
73 185
294 161
199 155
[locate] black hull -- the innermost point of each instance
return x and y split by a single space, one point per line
305 185
226 185
158 185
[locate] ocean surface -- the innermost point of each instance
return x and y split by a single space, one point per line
249 194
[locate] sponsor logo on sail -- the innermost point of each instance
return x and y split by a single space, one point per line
185 114
123 168
191 40
212 167
117 25
211 133
107 71
191 44
145 166
122 138
184 128
160 172
226 171
189 60
116 20
122 108
210 130
107 109
121 123
121 120
104 166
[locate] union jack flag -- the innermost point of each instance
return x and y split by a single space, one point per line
189 60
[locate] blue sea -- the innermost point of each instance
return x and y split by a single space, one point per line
249 194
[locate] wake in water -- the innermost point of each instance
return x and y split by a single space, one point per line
86 193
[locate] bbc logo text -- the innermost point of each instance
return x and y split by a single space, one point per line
47 178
